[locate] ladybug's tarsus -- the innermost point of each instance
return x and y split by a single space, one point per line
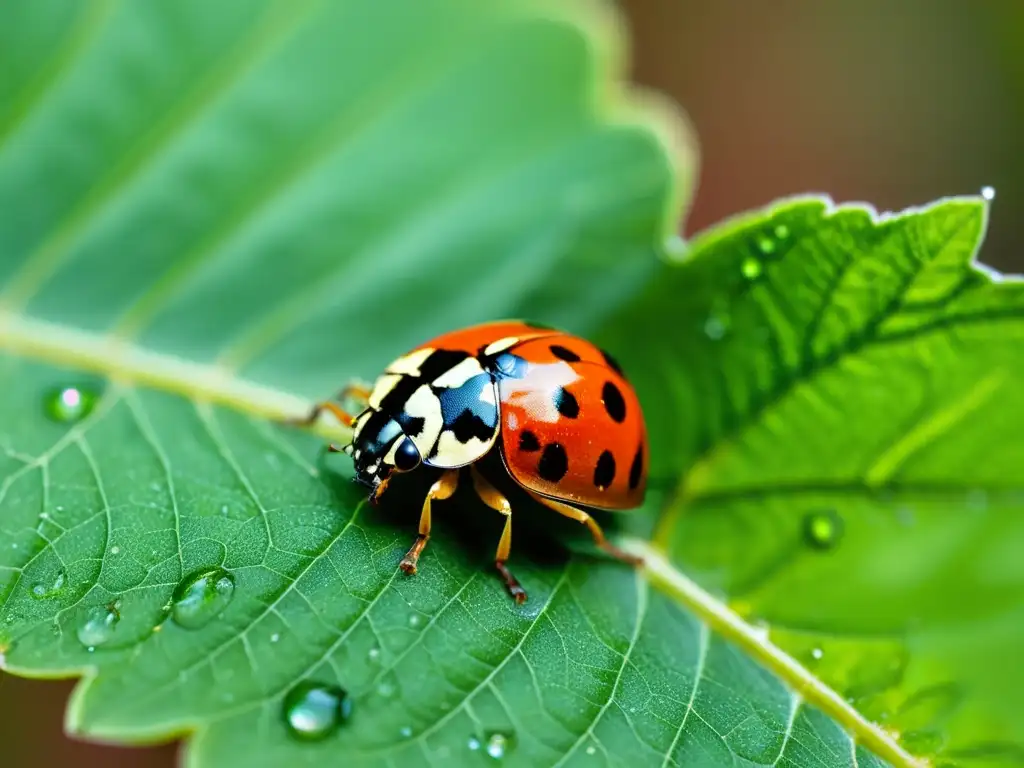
511 583
442 489
595 530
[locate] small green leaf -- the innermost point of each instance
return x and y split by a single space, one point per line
846 455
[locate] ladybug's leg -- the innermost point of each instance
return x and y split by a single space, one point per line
442 489
595 530
493 498
314 413
359 392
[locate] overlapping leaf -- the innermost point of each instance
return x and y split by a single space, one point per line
852 388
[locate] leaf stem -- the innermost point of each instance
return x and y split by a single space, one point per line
123 362
664 575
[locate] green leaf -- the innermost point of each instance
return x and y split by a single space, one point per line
215 212
844 392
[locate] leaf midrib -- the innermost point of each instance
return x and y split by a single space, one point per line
131 365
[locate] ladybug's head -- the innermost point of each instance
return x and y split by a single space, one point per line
379 447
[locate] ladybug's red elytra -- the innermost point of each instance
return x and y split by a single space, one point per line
566 423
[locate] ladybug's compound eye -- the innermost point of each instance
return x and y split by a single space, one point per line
407 456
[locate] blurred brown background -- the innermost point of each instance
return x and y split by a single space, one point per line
871 100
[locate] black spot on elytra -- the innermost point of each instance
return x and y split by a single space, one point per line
613 402
612 362
528 442
637 469
566 403
604 472
554 463
564 354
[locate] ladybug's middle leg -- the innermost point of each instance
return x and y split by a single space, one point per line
442 489
595 530
493 498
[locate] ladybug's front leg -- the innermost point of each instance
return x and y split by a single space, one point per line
442 489
493 498
354 391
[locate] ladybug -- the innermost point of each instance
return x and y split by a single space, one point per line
558 410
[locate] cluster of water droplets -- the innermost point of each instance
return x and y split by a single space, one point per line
494 744
718 323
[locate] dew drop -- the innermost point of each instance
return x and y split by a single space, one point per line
313 711
97 626
591 749
473 744
716 326
224 509
823 529
751 268
115 550
766 245
414 620
405 731
817 653
43 591
386 690
69 404
275 637
781 231
374 655
989 193
201 597
498 745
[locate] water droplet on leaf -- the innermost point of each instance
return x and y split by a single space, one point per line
43 591
817 653
202 597
751 268
97 626
69 404
313 711
766 245
989 193
374 655
498 745
275 637
591 749
414 620
717 326
406 732
473 743
781 231
823 529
